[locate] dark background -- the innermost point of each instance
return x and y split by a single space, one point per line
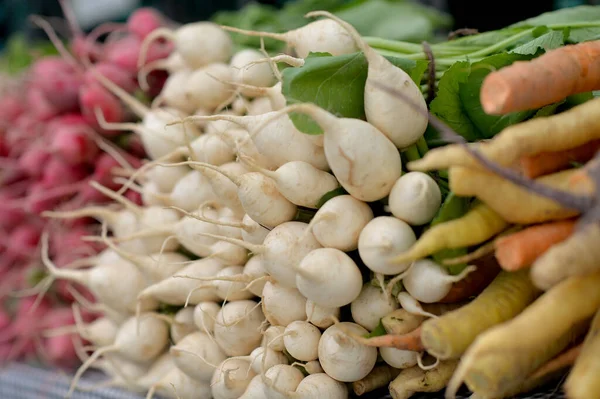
482 15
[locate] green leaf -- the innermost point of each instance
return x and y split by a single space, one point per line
377 332
398 20
563 16
547 41
335 84
469 89
447 105
548 110
330 195
452 208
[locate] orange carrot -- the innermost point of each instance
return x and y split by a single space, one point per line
544 80
550 162
409 342
518 250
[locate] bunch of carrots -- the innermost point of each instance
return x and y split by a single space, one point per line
536 209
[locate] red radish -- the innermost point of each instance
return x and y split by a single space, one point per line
117 74
124 52
143 21
34 159
58 80
93 96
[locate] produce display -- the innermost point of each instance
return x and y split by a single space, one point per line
325 218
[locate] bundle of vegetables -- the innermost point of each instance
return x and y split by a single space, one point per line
51 148
284 249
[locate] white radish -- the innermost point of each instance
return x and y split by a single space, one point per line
164 177
301 340
261 363
205 314
300 182
231 290
321 316
191 191
259 197
415 198
237 327
212 149
115 284
316 37
205 87
395 117
173 93
259 106
281 381
273 338
155 267
148 344
160 367
273 94
158 138
399 358
320 385
255 389
362 158
100 332
428 282
198 43
178 385
313 367
256 74
183 324
173 63
381 240
279 141
371 305
342 357
231 378
282 305
177 290
329 277
196 355
338 223
282 250
255 269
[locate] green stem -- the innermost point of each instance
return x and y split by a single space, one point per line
392 45
422 146
411 153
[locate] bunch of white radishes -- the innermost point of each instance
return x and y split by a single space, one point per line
220 235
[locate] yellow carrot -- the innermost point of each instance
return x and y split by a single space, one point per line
379 377
577 255
502 358
400 322
568 129
513 203
478 225
449 336
414 379
584 380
